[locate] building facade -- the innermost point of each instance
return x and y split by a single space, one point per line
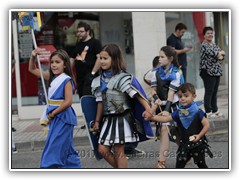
140 34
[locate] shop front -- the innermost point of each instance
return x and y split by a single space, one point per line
140 34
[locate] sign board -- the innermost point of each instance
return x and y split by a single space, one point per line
25 45
46 51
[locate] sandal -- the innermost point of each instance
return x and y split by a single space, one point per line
161 164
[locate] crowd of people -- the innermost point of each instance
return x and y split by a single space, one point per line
124 112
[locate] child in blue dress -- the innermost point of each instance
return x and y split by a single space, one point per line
59 151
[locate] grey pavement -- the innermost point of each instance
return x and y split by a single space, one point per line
30 135
29 159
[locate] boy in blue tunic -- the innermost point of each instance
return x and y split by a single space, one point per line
193 126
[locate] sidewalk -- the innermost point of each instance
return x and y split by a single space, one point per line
30 135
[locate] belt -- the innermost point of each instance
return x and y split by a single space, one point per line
55 102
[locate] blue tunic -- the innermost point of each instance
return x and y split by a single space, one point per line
59 151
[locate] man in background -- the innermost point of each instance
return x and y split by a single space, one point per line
175 41
84 57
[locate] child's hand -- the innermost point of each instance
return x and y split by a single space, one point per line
158 102
96 126
147 115
79 58
165 113
35 52
194 138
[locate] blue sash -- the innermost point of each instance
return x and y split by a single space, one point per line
187 114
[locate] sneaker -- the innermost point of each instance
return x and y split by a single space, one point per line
211 115
135 153
218 114
83 127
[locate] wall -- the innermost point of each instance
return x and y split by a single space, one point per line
149 35
112 31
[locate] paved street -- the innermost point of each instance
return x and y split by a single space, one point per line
219 147
29 139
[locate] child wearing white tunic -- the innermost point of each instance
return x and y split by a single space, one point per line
115 91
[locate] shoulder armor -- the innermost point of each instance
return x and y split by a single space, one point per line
119 81
95 83
124 83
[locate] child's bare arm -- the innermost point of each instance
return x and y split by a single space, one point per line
148 112
156 99
32 68
204 130
98 116
161 118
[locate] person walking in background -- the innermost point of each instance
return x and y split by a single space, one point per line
119 96
175 41
164 86
211 56
84 55
193 126
59 151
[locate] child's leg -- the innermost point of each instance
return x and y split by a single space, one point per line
164 143
181 163
105 151
201 163
120 157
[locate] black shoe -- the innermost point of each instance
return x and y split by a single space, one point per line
135 153
83 127
14 150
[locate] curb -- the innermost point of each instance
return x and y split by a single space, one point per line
38 145
218 132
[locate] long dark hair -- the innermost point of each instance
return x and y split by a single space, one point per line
62 54
118 62
170 52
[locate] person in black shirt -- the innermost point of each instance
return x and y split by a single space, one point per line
85 57
175 41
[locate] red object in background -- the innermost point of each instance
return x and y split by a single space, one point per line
66 23
46 51
29 82
199 20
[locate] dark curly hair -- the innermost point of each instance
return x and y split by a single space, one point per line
187 87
